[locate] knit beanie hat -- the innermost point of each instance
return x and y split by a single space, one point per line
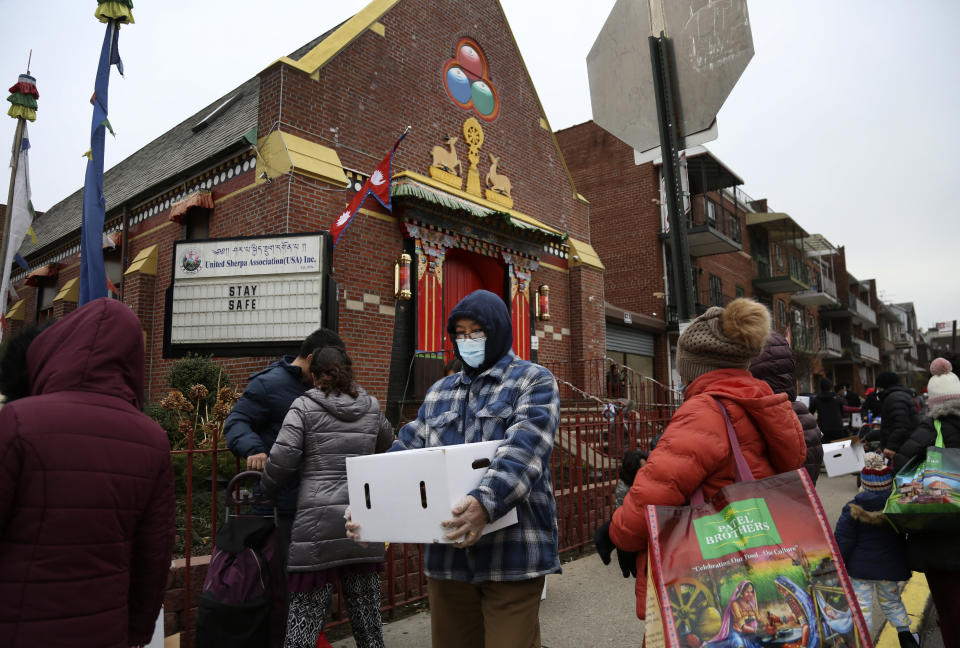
944 384
723 338
876 474
887 379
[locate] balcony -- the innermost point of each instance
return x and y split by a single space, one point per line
711 228
862 312
903 341
804 340
793 277
823 293
831 346
863 350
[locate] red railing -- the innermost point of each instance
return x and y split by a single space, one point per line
604 412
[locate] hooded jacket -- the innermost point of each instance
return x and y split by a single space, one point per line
694 451
869 545
828 406
934 550
318 434
899 416
87 505
777 368
506 399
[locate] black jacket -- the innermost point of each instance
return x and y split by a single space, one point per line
871 404
829 409
776 366
900 416
870 547
935 550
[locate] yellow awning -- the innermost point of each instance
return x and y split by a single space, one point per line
70 292
582 253
281 153
144 263
16 312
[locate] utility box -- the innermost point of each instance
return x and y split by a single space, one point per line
843 457
404 496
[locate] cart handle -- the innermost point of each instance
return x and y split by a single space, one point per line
253 498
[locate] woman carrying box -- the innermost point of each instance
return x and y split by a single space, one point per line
334 420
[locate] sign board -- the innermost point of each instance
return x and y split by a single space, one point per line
712 44
251 292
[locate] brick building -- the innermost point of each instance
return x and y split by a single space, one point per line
739 247
481 198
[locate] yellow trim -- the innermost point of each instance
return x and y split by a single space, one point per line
232 194
379 29
70 292
16 312
384 217
553 267
152 230
544 124
582 253
281 153
440 186
145 262
582 198
329 47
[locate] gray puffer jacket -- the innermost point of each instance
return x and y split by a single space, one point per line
318 434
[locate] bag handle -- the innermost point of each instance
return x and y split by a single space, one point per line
740 465
936 425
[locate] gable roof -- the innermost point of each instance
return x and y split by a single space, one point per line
227 120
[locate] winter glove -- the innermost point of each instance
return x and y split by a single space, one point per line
602 542
628 562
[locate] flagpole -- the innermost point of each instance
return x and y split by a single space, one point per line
7 212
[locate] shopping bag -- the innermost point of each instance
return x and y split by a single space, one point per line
756 566
926 492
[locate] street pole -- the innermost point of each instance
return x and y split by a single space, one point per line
671 143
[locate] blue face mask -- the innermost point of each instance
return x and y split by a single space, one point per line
472 352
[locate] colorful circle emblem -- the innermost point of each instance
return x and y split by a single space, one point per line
467 81
191 261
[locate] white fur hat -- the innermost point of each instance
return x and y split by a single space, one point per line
944 384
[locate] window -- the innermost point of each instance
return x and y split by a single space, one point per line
781 312
712 213
46 291
113 266
811 324
739 291
716 290
778 255
198 223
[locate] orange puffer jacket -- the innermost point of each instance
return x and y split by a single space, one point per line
694 451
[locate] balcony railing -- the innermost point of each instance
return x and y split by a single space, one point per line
823 292
712 228
831 344
792 278
861 310
827 285
865 350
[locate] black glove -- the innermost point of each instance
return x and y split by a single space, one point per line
601 540
628 562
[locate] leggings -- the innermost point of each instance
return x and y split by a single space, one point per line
309 610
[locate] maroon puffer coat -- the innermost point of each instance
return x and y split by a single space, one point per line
86 490
777 368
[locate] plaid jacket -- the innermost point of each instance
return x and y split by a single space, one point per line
517 401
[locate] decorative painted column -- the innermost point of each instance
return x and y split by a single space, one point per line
520 269
431 247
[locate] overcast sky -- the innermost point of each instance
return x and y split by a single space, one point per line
846 118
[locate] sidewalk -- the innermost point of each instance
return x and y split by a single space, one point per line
592 605
587 605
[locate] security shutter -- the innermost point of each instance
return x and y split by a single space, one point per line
627 340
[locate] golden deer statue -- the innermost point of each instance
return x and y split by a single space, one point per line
447 159
497 182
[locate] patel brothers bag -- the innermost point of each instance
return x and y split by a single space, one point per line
926 492
756 566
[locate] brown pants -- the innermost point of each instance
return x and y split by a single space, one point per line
485 615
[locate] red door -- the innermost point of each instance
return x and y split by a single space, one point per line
464 272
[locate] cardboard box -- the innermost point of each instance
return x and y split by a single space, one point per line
843 457
404 496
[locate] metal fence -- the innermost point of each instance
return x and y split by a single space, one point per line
606 410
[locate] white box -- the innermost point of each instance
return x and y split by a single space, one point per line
856 420
404 496
805 400
843 457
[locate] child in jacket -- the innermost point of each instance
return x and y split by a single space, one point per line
874 553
